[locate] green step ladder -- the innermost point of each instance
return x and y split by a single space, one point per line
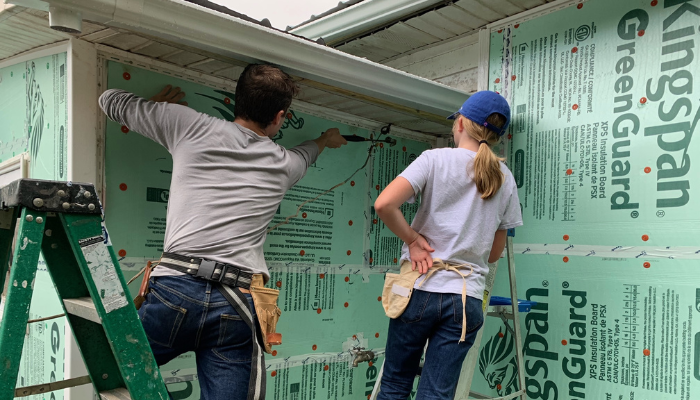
63 221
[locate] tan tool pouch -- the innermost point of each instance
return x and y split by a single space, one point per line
397 290
143 290
265 302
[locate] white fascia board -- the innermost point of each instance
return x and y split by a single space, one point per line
360 17
198 27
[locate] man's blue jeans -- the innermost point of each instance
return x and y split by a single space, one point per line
182 314
436 318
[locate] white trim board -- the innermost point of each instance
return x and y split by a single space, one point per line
82 112
484 59
14 168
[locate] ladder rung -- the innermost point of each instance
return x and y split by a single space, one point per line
496 311
50 387
82 307
116 394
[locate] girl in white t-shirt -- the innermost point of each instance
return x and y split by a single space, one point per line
468 201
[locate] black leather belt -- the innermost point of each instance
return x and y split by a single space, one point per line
225 274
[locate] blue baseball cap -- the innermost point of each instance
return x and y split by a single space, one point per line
481 105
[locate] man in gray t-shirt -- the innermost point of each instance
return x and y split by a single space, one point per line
228 181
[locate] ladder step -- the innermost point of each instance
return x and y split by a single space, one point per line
115 394
82 307
497 311
50 387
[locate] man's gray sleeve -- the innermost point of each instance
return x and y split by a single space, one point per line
302 156
164 123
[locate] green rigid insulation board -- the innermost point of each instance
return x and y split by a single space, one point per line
605 103
328 263
33 111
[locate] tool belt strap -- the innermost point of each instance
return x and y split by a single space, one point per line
257 384
225 274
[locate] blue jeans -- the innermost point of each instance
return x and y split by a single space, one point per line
437 319
182 314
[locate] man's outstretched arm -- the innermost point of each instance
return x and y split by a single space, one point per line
306 153
160 119
331 139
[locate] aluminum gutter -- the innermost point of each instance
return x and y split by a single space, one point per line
341 6
360 17
190 25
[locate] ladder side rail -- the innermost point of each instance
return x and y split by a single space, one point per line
470 364
113 303
8 223
516 315
70 283
19 297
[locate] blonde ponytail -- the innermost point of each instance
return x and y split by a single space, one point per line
487 169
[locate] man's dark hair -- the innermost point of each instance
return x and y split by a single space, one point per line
262 91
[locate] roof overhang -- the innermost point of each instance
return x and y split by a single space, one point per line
190 25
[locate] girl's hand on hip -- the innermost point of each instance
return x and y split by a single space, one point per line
420 251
